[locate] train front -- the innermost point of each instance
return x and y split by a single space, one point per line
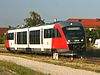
75 36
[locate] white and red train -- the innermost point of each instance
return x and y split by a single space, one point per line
62 36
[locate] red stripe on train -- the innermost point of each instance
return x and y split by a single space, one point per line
59 43
7 41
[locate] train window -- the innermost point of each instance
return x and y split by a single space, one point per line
10 36
35 37
22 37
51 33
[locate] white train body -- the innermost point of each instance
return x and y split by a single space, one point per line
45 38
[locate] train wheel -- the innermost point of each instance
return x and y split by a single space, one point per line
9 49
12 51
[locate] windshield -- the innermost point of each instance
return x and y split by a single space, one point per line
73 31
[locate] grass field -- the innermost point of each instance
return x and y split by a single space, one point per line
9 68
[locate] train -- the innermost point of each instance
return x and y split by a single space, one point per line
59 37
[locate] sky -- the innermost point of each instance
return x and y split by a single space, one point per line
13 12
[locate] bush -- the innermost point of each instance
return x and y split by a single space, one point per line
93 34
2 40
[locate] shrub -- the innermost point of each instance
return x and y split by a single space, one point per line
2 40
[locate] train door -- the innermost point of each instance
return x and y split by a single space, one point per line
47 40
10 40
21 39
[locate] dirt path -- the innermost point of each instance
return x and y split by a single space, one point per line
45 67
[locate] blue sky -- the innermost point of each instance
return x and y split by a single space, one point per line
13 12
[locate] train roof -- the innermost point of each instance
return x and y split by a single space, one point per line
68 23
62 23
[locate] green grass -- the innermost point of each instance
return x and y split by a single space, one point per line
9 68
98 71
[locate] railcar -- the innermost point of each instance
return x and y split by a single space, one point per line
60 37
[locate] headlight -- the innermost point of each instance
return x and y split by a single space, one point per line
82 40
68 40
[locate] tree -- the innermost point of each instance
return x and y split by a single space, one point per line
98 32
2 39
34 19
93 34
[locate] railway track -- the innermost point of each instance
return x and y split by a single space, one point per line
93 59
61 57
